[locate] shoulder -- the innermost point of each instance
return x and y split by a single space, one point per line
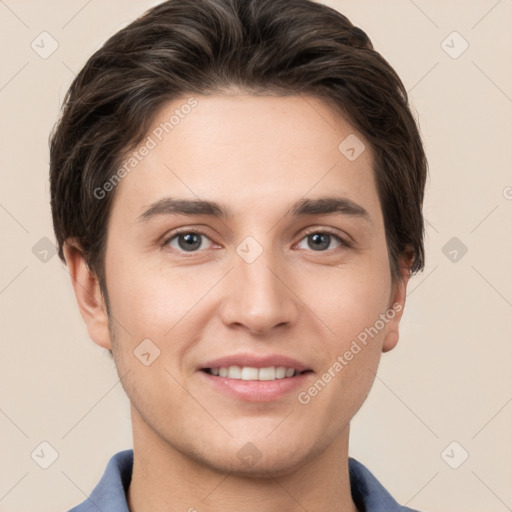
110 492
368 493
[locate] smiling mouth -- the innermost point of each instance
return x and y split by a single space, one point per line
252 373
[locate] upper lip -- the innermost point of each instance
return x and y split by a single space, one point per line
255 361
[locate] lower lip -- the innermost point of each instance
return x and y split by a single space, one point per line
257 390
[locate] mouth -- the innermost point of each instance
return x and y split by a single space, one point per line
251 373
251 377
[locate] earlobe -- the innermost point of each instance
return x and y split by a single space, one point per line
88 294
396 308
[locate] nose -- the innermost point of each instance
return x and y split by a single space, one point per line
258 296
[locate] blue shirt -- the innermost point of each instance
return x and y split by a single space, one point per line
110 493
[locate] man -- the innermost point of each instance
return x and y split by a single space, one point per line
236 188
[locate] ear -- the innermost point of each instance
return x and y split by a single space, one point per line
397 304
88 294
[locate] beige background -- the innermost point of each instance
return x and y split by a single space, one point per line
448 380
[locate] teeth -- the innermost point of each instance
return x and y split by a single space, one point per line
234 372
250 373
281 372
267 373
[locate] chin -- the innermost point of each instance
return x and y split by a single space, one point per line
258 460
265 467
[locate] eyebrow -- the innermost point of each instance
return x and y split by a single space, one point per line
303 207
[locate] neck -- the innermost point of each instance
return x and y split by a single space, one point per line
165 478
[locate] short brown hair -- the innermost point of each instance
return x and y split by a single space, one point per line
273 47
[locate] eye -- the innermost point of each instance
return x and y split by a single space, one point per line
319 241
193 240
188 241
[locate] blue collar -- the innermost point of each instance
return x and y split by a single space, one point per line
109 495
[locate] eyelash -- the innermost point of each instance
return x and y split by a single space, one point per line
343 242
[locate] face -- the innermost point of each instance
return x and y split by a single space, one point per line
294 277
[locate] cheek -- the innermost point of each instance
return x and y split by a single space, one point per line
146 301
351 301
150 312
351 304
350 352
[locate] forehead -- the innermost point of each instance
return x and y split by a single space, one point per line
247 150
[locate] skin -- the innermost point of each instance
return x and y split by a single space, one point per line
256 156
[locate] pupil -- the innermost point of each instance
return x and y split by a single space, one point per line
320 240
192 241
